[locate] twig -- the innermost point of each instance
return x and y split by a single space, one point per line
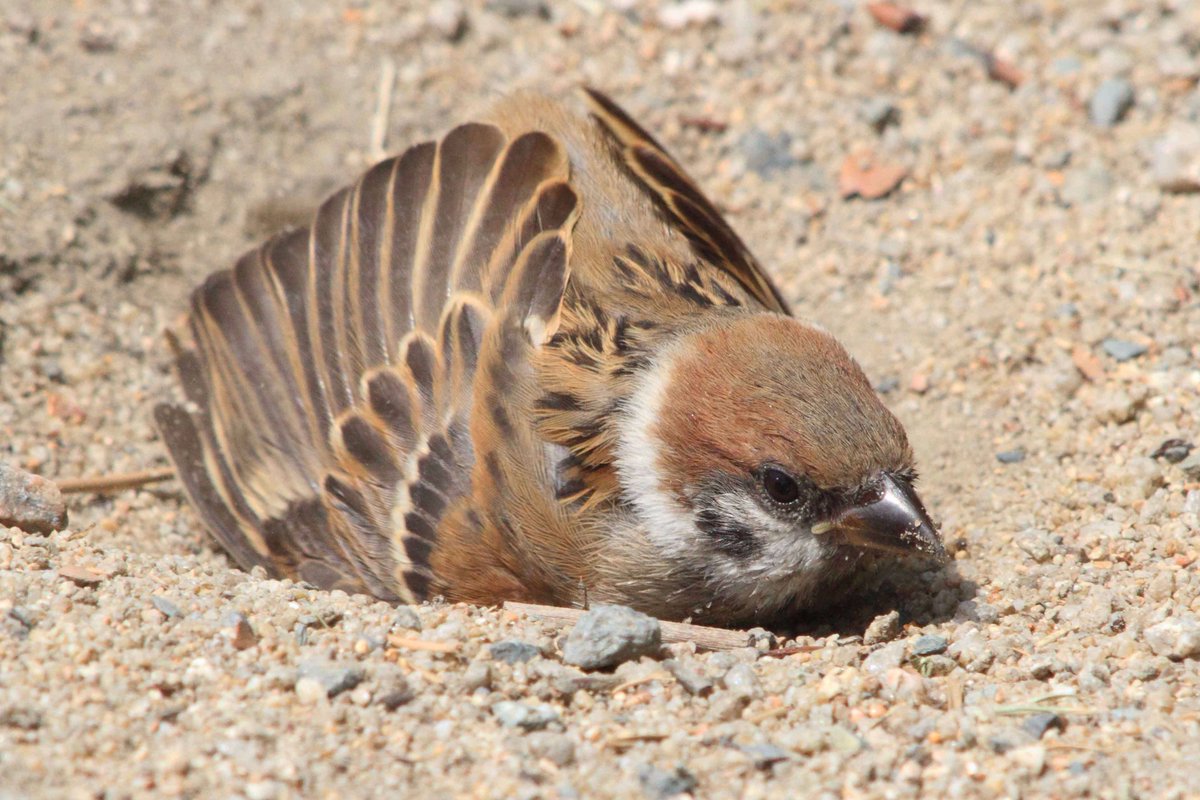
115 482
702 636
410 643
383 109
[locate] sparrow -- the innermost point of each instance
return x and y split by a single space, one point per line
531 361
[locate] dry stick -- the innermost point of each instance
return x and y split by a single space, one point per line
383 110
115 482
702 636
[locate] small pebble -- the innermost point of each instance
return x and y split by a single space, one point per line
526 716
659 783
1110 102
888 657
394 691
692 681
1123 350
685 13
448 18
742 679
1175 159
164 605
1173 450
879 113
1015 456
478 675
514 9
765 755
1176 638
929 645
238 630
766 154
30 502
406 618
332 678
557 748
1036 725
607 635
513 652
883 628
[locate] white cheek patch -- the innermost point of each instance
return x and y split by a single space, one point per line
668 524
782 562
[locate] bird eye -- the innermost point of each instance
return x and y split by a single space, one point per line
780 487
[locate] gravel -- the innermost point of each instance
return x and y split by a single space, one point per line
979 293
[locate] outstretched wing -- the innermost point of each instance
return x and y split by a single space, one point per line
682 202
329 376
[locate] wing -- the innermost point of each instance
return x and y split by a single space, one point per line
681 201
329 377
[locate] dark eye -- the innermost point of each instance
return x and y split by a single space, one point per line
780 487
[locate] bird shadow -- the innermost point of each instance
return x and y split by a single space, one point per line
922 595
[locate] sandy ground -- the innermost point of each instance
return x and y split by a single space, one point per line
1026 299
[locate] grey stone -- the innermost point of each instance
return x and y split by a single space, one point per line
1111 100
765 755
974 611
394 691
883 628
513 652
405 618
567 681
766 154
692 681
727 706
1123 350
448 18
30 502
890 656
929 645
514 9
526 716
1176 638
1191 466
659 783
1086 184
1037 544
608 635
880 112
1008 739
333 678
741 679
164 605
1044 667
477 675
1037 724
972 651
1173 450
1175 159
842 740
557 748
1014 456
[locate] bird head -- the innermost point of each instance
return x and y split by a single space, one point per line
756 453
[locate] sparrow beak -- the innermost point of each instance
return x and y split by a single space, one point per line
890 518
